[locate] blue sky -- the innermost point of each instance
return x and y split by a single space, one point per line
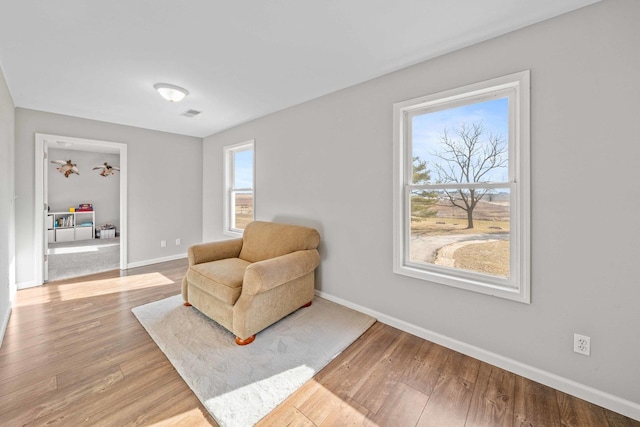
243 168
428 128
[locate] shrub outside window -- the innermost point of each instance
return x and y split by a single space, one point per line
239 187
461 187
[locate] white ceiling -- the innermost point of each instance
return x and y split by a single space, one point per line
240 60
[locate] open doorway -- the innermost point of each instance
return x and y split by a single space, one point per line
82 226
83 218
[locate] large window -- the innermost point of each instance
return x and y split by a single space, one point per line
239 187
461 187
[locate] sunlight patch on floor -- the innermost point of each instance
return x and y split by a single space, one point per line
194 417
91 288
78 249
314 403
70 289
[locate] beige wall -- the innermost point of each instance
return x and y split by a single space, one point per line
7 251
328 163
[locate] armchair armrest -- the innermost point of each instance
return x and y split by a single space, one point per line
213 251
264 275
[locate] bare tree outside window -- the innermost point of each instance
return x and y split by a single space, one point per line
469 154
460 191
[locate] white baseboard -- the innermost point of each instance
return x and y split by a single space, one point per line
565 385
25 285
3 324
156 260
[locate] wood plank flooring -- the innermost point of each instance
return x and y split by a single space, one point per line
74 354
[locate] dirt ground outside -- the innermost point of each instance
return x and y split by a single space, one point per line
244 210
445 239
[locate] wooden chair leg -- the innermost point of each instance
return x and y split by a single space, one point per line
246 341
187 304
307 304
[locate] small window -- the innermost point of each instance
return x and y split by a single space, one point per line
461 190
239 204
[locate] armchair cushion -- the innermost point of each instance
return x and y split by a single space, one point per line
221 279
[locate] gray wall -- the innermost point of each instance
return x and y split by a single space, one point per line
88 187
328 163
7 247
164 185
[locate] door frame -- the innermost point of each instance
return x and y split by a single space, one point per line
43 141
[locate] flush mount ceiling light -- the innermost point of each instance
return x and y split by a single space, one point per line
171 93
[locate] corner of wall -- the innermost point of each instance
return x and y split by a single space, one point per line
3 323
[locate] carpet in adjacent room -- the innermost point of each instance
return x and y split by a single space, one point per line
80 258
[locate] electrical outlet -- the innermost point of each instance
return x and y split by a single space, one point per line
163 243
582 344
178 242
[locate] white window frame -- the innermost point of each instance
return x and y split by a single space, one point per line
517 286
229 186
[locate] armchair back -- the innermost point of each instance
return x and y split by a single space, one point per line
266 240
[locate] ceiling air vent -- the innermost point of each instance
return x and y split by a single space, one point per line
191 113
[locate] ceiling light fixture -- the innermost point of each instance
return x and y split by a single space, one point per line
171 93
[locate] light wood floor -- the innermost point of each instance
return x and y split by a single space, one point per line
74 354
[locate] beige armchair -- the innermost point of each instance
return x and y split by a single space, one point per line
250 283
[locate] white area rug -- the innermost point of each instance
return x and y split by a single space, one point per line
241 384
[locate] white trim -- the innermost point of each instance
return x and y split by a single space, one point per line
4 323
228 174
124 221
464 185
565 385
156 260
27 285
86 145
39 214
516 87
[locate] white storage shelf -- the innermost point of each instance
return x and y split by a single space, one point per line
70 226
